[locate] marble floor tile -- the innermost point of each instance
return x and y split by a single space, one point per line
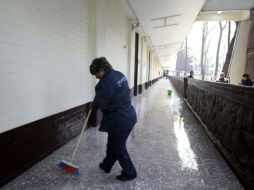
168 147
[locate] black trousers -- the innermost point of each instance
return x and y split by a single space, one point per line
116 150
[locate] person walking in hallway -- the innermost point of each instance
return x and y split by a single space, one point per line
119 117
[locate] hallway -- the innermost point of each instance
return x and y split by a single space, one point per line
168 147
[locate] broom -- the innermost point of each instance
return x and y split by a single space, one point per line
69 166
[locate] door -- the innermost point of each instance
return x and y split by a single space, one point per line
136 65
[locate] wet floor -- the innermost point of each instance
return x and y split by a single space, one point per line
168 147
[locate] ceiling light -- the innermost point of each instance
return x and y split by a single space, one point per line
174 24
165 21
165 17
169 44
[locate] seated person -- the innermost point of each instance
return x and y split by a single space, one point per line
191 74
222 78
246 80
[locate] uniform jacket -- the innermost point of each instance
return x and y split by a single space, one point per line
247 82
113 98
223 80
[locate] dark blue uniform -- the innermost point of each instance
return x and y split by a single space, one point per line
119 117
247 82
222 80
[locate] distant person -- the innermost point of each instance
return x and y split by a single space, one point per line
222 78
191 75
246 80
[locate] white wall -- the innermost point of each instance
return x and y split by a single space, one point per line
140 44
43 59
131 48
237 65
147 68
46 48
112 34
152 67
144 62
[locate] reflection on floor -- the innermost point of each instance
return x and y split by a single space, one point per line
185 152
168 147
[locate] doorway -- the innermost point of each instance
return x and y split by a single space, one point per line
136 65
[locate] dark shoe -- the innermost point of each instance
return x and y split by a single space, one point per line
103 168
124 177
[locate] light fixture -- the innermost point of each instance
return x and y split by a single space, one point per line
165 21
135 25
165 17
174 24
168 45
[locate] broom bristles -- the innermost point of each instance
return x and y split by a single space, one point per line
69 167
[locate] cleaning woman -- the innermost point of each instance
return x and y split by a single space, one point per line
119 117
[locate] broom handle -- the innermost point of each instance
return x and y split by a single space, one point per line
81 134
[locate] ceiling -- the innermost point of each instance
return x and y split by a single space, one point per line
223 10
223 5
235 15
166 23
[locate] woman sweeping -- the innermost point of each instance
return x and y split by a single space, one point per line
119 117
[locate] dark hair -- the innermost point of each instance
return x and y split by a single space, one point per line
246 75
99 64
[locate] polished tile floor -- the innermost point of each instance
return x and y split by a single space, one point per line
168 147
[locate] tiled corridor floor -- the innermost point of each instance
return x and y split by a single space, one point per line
168 147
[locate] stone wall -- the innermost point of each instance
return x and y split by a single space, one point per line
228 113
178 83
